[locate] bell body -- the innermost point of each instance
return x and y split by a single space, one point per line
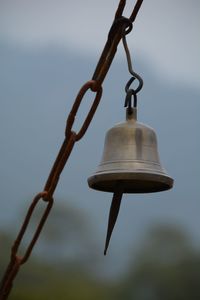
131 159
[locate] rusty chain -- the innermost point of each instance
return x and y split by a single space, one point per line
119 26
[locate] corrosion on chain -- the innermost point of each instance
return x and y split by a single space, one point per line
119 26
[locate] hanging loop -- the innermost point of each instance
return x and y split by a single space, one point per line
128 100
132 93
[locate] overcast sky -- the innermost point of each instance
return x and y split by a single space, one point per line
167 32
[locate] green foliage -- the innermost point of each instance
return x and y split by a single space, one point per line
50 284
167 267
61 271
41 280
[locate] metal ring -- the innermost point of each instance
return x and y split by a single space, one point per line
140 85
120 21
128 29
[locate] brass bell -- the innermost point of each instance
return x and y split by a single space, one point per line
130 164
130 157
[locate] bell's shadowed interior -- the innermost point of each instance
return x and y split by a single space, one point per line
131 183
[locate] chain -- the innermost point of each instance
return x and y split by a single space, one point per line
120 26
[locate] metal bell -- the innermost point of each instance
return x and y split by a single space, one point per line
130 164
130 157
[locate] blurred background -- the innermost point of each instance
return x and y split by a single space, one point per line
48 50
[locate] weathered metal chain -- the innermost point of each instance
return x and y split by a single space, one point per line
118 27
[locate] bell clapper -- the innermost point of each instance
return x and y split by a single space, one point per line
114 211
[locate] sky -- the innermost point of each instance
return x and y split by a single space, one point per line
167 32
48 49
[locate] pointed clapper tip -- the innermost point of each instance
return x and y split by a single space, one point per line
114 211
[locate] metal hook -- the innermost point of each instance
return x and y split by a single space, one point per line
131 92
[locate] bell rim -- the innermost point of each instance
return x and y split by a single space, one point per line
144 182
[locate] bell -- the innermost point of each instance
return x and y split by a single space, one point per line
130 158
130 164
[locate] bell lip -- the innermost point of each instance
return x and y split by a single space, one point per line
134 182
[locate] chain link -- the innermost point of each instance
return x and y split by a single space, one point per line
119 26
93 87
